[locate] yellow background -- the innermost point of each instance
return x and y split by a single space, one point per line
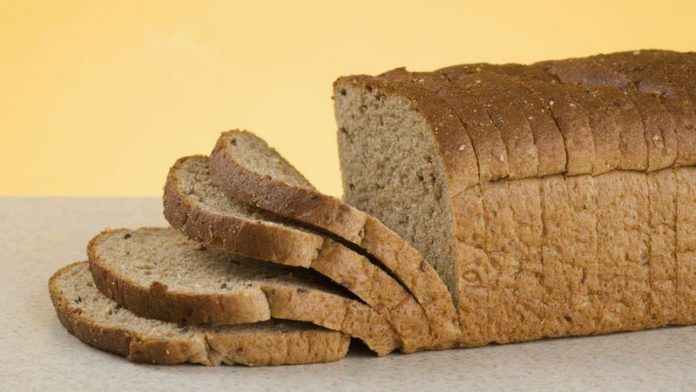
100 98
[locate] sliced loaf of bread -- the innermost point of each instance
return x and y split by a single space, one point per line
200 210
159 273
596 241
245 167
102 323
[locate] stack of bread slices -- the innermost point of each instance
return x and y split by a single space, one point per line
231 283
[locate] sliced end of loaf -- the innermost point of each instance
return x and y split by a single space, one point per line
392 169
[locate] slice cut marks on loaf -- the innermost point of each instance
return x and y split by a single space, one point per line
102 323
159 273
245 167
200 210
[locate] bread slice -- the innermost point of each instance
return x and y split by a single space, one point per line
245 167
101 323
158 273
200 210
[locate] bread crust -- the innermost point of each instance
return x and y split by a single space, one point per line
257 302
655 72
548 139
658 123
333 215
491 91
208 347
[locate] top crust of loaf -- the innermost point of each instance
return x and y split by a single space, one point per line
632 76
235 167
101 323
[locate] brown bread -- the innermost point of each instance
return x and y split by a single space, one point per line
158 273
101 323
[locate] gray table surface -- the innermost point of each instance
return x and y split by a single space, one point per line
39 235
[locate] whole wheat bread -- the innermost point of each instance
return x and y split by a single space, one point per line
158 273
245 167
594 237
200 210
101 323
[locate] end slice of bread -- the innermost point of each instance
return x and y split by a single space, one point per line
202 211
102 323
158 273
246 168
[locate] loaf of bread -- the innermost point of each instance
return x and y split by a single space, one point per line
553 199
